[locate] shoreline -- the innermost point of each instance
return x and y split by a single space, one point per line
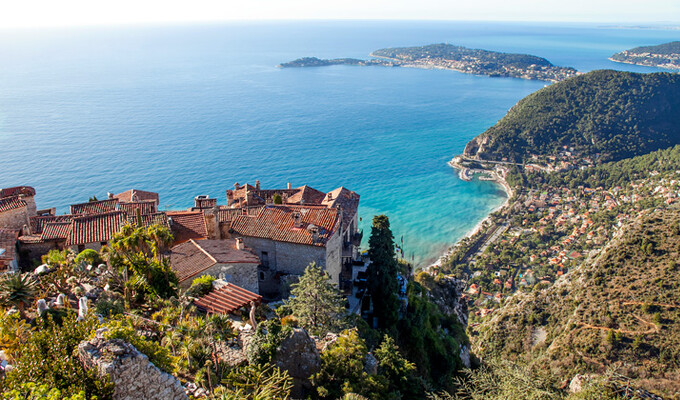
500 181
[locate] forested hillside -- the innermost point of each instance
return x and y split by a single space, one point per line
607 114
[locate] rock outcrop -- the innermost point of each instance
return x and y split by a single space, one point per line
298 355
134 377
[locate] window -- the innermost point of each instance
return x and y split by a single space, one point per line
261 275
265 259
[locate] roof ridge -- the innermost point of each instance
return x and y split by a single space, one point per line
203 250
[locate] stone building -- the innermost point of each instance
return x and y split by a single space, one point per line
135 195
228 260
17 205
94 231
8 250
289 237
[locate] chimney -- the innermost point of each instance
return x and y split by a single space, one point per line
237 186
109 195
289 186
297 218
257 185
330 196
239 244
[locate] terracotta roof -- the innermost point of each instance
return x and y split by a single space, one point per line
11 203
94 207
230 214
95 228
193 257
226 299
306 195
17 190
278 223
145 206
187 225
27 239
8 243
38 223
159 218
133 195
56 231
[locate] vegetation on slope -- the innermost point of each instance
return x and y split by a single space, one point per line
618 310
664 48
614 114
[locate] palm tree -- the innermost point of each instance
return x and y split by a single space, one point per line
17 290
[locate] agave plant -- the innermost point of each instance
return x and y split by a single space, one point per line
17 290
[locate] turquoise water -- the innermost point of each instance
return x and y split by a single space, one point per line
187 110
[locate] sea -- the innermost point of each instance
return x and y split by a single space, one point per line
191 109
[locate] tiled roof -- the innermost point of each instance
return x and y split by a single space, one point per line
16 191
56 231
145 206
132 195
193 257
28 239
187 260
94 207
95 228
227 299
11 203
150 219
278 223
8 243
230 214
306 195
38 223
187 225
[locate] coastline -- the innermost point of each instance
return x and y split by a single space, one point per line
498 180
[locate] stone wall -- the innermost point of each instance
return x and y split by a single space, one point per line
134 377
334 257
240 274
14 219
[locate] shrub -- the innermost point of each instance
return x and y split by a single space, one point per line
88 256
120 328
201 286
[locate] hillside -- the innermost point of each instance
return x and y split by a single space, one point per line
666 55
620 309
608 113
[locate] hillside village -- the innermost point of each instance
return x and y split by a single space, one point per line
260 240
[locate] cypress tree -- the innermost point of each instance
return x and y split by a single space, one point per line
382 273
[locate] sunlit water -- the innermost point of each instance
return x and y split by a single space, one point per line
187 110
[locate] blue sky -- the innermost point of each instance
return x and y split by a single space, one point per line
31 13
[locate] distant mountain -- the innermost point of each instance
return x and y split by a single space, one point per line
611 113
666 55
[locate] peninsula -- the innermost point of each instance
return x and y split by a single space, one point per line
457 58
665 55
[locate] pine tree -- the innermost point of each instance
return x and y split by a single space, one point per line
316 303
382 273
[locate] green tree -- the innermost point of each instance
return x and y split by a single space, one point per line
137 254
398 370
342 370
315 301
382 273
277 199
17 290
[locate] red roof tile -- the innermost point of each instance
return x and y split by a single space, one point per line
159 218
11 203
346 200
193 257
56 231
38 223
278 223
306 195
28 239
17 190
145 206
133 195
187 225
226 299
95 228
94 207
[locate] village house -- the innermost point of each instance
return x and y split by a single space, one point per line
17 205
8 250
228 260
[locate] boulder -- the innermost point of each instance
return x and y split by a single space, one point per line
298 355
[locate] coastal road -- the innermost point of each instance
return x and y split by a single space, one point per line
494 236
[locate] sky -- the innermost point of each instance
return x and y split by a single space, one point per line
43 13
